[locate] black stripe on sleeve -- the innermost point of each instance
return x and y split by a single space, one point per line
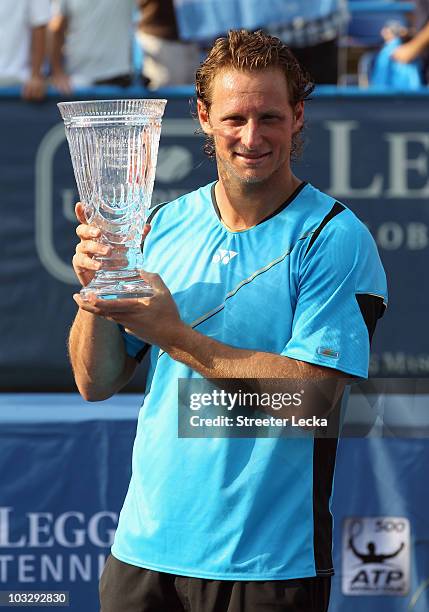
372 308
335 210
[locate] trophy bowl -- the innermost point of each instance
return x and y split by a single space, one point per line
113 147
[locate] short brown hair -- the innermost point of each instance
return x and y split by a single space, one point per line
251 51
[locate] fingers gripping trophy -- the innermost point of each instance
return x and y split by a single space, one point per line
114 147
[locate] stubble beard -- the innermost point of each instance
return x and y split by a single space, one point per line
231 176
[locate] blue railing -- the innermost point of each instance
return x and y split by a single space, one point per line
188 91
377 6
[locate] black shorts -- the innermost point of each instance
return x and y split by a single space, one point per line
127 588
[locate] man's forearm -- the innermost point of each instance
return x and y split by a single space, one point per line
100 364
213 359
38 50
57 29
323 387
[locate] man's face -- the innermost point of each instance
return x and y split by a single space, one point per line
252 124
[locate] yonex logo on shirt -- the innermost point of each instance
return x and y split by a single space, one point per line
223 256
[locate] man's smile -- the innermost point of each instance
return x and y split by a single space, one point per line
253 157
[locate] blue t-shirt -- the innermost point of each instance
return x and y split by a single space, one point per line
307 283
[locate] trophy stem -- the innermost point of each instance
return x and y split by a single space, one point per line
116 280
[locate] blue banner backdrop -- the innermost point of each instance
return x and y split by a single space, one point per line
64 472
371 152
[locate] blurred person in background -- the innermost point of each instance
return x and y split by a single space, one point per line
384 70
418 46
23 45
314 41
90 43
311 29
167 60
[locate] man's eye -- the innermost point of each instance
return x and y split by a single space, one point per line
270 118
233 121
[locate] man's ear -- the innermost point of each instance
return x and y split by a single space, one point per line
298 117
203 116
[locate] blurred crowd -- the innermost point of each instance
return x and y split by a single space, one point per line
69 44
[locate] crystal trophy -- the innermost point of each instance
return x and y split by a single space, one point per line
113 147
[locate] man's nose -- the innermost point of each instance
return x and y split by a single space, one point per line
251 136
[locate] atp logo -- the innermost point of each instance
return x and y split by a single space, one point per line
223 256
376 556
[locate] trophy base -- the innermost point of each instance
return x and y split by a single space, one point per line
115 286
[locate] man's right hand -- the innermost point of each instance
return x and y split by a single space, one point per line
90 247
85 263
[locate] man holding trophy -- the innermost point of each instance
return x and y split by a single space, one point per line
256 276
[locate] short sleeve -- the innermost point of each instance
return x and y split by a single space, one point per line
39 12
134 346
342 293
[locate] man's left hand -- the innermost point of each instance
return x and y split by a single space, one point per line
154 319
